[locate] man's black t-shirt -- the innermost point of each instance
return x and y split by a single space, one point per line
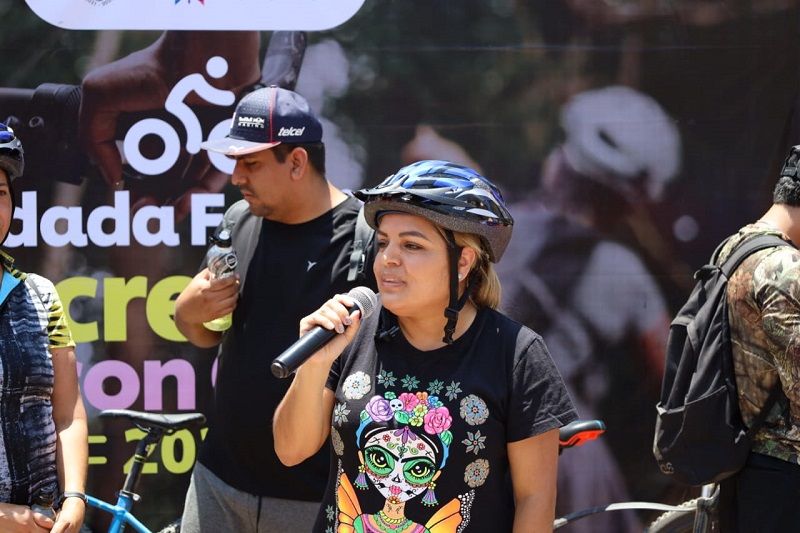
294 270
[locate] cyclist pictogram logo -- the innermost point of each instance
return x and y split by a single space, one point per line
216 67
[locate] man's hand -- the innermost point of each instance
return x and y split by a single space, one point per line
70 516
203 300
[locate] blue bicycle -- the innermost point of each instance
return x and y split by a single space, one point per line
155 427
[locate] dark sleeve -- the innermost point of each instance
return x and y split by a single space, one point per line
360 348
539 400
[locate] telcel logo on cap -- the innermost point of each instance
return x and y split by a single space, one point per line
251 122
291 132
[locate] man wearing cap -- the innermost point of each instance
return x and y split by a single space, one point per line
300 230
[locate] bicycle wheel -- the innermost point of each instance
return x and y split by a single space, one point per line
680 521
172 527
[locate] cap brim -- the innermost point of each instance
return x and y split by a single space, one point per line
230 146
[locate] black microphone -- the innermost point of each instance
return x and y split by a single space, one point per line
299 352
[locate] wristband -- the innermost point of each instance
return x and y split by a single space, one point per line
68 494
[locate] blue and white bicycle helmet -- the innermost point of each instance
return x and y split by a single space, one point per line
453 197
11 153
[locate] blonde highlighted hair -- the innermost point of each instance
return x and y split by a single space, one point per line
486 291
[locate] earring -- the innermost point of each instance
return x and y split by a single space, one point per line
430 498
460 276
361 479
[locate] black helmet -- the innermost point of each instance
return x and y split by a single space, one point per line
11 158
452 196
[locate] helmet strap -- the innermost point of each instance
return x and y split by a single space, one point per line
456 303
13 208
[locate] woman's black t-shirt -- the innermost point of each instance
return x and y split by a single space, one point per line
427 432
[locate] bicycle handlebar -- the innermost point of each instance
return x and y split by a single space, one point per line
579 432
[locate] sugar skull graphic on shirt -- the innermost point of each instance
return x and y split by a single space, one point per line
404 439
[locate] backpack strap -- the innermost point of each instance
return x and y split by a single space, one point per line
361 241
552 263
245 230
752 245
759 242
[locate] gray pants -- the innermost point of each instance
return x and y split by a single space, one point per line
213 506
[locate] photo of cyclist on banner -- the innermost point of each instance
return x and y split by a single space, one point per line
113 101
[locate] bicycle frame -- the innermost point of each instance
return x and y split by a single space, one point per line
121 513
621 506
127 497
155 427
702 508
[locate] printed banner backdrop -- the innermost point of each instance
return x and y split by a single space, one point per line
262 15
118 200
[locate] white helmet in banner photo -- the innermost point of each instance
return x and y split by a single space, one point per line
262 15
623 138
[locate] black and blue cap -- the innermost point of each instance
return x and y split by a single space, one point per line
791 166
264 119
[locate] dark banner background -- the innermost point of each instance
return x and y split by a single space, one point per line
484 78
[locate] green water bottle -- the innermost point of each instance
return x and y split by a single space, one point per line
221 260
